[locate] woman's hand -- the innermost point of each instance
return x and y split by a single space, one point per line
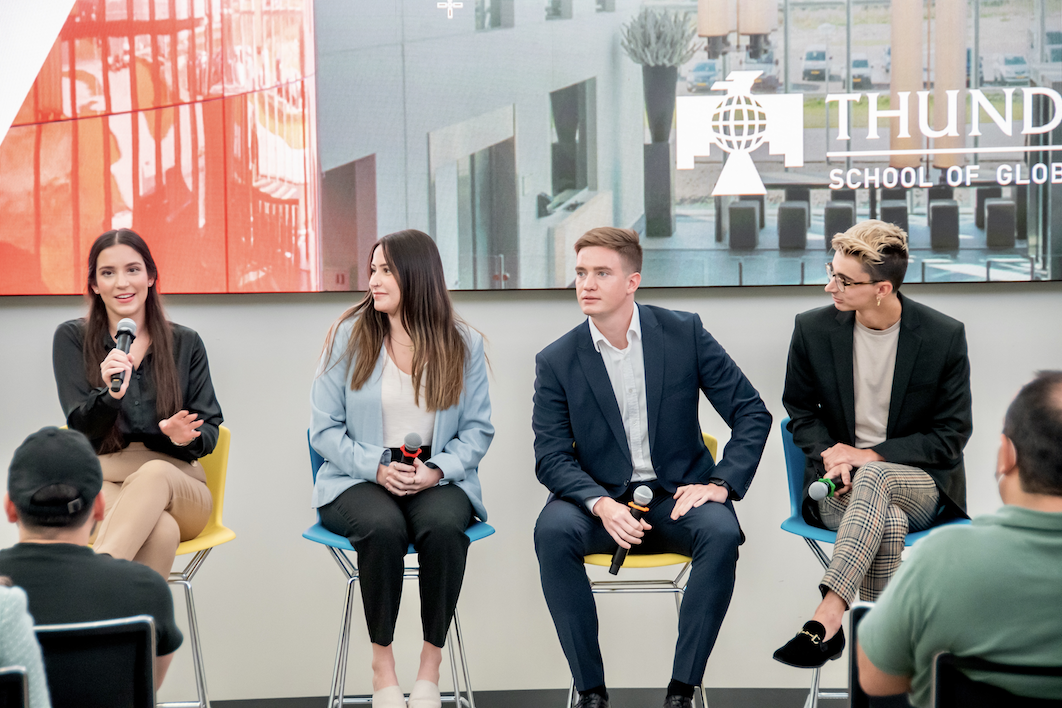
403 480
424 477
181 428
395 478
116 362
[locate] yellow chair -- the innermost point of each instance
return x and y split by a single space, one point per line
215 466
675 586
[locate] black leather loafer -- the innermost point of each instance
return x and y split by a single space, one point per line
809 650
591 700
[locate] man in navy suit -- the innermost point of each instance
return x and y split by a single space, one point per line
616 408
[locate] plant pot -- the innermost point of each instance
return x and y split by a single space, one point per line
658 85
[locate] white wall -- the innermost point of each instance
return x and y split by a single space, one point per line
269 602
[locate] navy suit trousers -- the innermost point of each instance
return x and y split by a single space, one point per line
565 532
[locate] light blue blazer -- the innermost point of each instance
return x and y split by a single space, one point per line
346 426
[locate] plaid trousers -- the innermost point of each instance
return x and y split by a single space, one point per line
872 521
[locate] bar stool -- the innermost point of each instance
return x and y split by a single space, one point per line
675 586
338 548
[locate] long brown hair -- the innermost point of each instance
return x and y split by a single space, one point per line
167 386
427 315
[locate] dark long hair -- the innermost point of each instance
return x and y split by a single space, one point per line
167 386
427 315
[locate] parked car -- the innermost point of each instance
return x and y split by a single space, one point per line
1011 69
768 80
887 60
860 71
703 75
816 64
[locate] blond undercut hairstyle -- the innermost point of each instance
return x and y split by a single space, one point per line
622 241
879 246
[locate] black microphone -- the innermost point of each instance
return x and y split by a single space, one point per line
639 507
411 448
124 340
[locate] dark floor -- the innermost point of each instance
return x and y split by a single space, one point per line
619 698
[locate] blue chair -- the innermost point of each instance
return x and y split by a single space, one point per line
339 547
813 535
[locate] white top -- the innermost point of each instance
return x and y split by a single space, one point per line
401 416
874 358
626 372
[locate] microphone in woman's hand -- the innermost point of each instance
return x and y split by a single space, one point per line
411 448
123 341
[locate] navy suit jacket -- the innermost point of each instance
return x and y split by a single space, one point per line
581 449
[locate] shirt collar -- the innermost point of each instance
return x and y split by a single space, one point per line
1020 517
635 327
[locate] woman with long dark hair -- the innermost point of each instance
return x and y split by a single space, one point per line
151 432
401 362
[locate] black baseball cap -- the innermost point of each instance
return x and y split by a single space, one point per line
54 456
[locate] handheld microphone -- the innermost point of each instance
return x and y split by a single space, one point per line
639 507
411 448
822 488
124 340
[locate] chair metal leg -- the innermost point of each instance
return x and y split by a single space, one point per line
339 670
813 694
456 696
819 553
183 578
470 699
571 694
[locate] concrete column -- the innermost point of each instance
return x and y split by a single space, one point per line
950 73
906 76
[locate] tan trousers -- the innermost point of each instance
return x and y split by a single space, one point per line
887 500
154 502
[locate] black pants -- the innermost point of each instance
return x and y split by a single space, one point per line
710 534
381 526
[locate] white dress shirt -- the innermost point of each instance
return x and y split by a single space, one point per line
626 372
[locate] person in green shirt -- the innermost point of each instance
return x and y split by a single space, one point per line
990 589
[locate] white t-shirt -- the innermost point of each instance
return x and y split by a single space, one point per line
401 416
874 363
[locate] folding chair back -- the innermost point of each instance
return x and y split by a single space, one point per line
107 664
954 689
14 689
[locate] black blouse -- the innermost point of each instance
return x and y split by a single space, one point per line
93 411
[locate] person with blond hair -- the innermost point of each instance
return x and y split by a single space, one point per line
615 409
878 393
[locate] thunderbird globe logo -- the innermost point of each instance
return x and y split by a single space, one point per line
739 123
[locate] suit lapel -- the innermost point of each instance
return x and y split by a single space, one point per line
844 367
653 362
907 347
597 379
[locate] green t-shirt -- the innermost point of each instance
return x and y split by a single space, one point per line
992 589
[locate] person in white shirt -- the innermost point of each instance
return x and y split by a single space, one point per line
402 362
615 408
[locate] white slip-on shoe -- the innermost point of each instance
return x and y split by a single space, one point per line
390 697
425 694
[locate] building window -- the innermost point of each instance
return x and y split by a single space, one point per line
606 5
494 14
558 9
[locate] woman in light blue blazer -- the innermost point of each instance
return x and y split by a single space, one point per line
400 362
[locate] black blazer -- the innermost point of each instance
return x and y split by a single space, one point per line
930 416
581 449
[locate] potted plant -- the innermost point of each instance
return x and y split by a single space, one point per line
660 41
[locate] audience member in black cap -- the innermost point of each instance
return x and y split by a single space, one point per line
53 495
